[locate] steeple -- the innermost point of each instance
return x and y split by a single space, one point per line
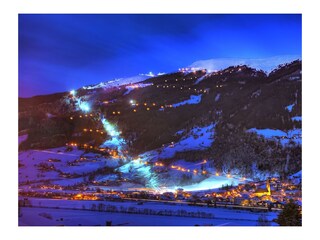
268 187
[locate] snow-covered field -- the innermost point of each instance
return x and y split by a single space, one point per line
212 182
276 134
194 99
74 214
297 118
74 162
199 138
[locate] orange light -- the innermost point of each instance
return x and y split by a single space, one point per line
90 130
148 109
137 104
204 172
153 104
145 104
217 174
134 110
97 130
101 132
85 130
162 106
195 171
86 115
228 175
80 116
118 112
113 112
71 118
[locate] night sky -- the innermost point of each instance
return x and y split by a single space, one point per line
61 52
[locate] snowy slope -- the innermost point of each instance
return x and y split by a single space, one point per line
276 134
118 82
199 138
194 99
265 64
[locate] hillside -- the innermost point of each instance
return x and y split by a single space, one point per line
240 120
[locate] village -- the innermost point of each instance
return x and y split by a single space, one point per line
268 195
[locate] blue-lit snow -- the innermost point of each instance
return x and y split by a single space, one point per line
200 79
194 99
290 107
137 169
118 82
109 177
116 141
216 99
22 138
75 215
32 158
179 132
212 182
294 135
135 86
297 177
297 118
199 138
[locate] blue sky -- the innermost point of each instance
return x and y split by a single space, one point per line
60 52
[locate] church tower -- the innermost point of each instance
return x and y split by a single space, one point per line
268 187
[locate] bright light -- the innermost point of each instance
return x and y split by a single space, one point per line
111 130
73 92
84 106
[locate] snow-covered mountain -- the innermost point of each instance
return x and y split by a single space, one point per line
265 64
119 82
123 81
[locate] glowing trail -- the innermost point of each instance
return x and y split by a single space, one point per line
136 169
116 141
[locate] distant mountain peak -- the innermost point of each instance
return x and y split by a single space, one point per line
264 64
